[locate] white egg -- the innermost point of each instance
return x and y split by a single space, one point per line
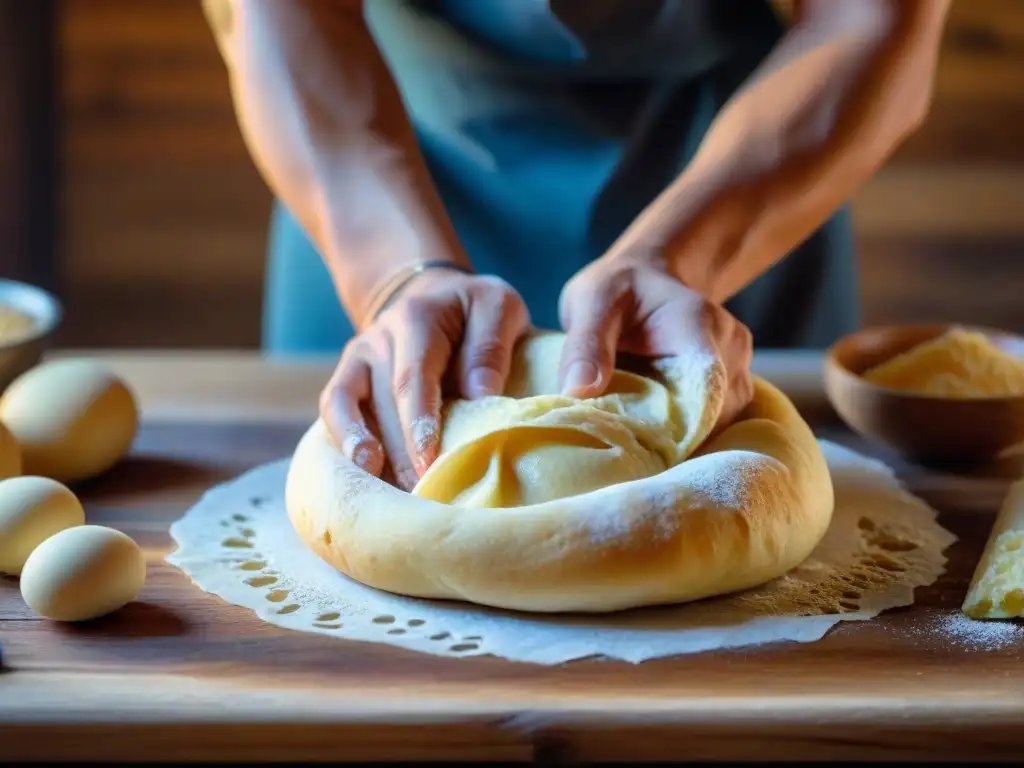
31 510
73 419
83 573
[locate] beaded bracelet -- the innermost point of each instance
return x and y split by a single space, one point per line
393 286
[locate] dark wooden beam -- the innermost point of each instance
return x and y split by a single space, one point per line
28 141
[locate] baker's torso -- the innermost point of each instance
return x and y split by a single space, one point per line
548 125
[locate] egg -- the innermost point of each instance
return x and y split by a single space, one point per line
10 454
74 419
83 573
31 510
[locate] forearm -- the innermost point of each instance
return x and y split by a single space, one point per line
818 118
326 127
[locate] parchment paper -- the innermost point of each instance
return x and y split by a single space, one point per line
237 543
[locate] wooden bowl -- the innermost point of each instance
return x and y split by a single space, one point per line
920 427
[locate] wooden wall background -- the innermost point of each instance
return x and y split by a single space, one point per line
163 217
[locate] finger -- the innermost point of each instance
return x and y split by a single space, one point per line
341 408
739 359
421 355
594 324
733 344
389 426
497 319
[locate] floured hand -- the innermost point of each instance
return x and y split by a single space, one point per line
383 402
635 307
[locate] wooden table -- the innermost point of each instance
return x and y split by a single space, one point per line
181 675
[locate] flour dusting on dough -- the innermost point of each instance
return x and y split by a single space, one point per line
720 479
725 478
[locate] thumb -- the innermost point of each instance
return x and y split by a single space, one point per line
592 330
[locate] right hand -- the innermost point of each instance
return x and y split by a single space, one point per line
633 305
444 326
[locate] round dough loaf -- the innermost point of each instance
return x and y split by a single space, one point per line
540 502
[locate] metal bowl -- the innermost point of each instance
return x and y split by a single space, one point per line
24 352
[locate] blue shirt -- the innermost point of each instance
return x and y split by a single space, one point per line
548 126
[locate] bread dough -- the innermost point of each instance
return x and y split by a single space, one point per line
959 363
534 445
545 503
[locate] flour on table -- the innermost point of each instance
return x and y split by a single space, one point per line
237 543
990 635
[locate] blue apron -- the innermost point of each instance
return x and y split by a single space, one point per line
548 126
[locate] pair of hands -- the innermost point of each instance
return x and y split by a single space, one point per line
455 333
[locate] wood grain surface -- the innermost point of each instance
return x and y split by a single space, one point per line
182 675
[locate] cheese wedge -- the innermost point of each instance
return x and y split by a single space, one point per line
997 587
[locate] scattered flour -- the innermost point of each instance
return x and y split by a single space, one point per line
725 478
957 629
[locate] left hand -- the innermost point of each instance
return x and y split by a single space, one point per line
631 304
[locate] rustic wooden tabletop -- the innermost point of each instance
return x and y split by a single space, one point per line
182 675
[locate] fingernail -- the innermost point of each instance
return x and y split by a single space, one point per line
354 440
484 382
426 437
364 457
362 450
421 466
421 462
581 374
